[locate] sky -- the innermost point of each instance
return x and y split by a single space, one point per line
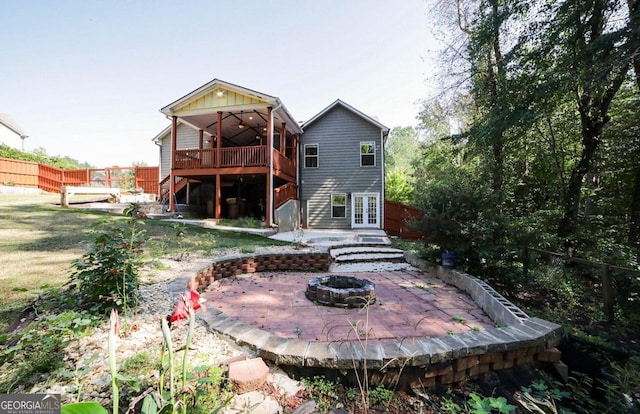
86 79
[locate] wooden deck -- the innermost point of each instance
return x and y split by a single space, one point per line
208 160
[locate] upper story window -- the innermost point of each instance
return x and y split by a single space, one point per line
311 156
367 153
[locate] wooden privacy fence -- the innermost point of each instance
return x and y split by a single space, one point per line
614 280
32 174
19 173
397 219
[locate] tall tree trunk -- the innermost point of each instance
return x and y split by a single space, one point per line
499 86
591 133
594 99
634 221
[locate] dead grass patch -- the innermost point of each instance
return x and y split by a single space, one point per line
38 242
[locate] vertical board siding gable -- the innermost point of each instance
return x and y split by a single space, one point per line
338 134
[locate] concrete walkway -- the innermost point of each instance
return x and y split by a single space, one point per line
326 238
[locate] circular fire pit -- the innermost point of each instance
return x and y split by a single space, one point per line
341 291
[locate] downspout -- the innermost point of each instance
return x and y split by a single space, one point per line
271 164
383 180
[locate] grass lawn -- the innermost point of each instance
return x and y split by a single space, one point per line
39 241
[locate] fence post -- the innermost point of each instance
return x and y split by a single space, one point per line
608 295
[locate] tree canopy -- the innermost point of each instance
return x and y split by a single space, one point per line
546 148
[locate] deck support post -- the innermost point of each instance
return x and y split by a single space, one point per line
218 139
267 213
216 201
283 139
174 146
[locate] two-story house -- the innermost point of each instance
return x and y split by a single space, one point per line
237 152
341 182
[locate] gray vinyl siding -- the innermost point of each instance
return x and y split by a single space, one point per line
187 138
165 156
338 134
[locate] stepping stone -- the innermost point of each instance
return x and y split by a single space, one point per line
255 401
248 375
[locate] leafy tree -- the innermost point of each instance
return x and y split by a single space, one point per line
434 121
398 187
401 150
550 131
634 212
592 57
40 155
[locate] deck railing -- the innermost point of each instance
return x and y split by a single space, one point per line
253 156
284 164
195 158
249 156
285 193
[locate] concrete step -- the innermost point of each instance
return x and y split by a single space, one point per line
350 250
368 267
369 257
350 243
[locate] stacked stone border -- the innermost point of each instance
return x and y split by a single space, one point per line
422 362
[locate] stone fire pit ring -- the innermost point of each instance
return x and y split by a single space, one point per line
341 291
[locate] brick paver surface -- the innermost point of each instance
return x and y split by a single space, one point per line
409 304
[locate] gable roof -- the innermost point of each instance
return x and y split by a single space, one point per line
351 109
8 122
218 94
167 130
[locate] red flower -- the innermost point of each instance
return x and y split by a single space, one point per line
181 310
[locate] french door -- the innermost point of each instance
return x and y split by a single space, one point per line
365 210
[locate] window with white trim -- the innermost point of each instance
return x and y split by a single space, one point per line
338 205
311 156
367 153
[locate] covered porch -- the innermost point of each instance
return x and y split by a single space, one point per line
237 141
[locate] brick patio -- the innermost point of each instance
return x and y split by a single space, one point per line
429 326
409 304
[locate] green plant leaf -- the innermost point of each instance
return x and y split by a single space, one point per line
132 382
149 405
167 409
83 408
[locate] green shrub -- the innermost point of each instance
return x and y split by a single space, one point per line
325 392
107 276
37 349
380 395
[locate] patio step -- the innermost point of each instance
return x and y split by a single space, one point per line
359 249
369 257
359 267
358 257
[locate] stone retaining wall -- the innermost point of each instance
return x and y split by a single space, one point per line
233 266
415 362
